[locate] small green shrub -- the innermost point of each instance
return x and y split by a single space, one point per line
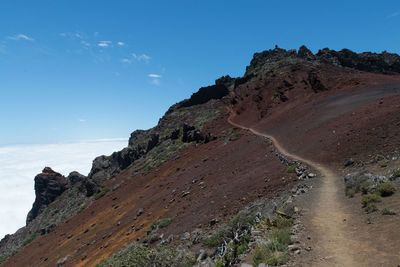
242 249
370 198
216 239
151 239
364 187
351 193
263 254
235 136
371 207
292 168
102 193
383 163
386 189
219 262
82 207
160 223
242 219
386 211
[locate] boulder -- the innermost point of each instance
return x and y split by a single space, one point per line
75 177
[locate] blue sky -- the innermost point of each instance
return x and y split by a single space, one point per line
77 70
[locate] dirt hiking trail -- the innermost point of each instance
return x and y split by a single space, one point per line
328 220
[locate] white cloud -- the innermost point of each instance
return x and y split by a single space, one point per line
104 43
155 78
20 37
85 43
395 14
142 57
121 43
82 120
20 164
126 60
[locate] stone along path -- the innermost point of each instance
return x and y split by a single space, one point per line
333 240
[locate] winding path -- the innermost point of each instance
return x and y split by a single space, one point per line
332 238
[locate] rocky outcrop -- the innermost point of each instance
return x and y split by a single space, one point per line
217 91
75 177
386 63
105 167
191 134
48 186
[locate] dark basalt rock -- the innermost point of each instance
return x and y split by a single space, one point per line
105 167
191 134
386 63
48 186
217 91
153 142
305 53
75 177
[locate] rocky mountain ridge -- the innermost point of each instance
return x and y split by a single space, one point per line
183 126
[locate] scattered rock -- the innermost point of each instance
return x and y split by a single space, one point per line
62 261
349 162
139 212
139 227
312 175
185 193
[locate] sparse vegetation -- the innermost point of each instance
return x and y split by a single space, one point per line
396 172
292 168
350 193
235 136
29 239
369 202
386 189
365 186
160 223
386 211
278 236
215 239
150 239
136 255
102 192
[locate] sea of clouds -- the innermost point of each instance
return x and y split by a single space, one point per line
19 164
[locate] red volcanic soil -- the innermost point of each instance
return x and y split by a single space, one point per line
356 113
221 176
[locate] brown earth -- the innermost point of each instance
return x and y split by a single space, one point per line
358 116
234 173
354 114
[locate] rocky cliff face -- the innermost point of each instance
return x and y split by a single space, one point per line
48 186
387 63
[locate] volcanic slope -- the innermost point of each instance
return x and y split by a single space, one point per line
320 109
348 114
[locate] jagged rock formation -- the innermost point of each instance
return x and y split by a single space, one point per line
387 63
48 186
217 91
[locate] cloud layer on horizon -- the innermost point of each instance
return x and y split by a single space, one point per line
20 164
